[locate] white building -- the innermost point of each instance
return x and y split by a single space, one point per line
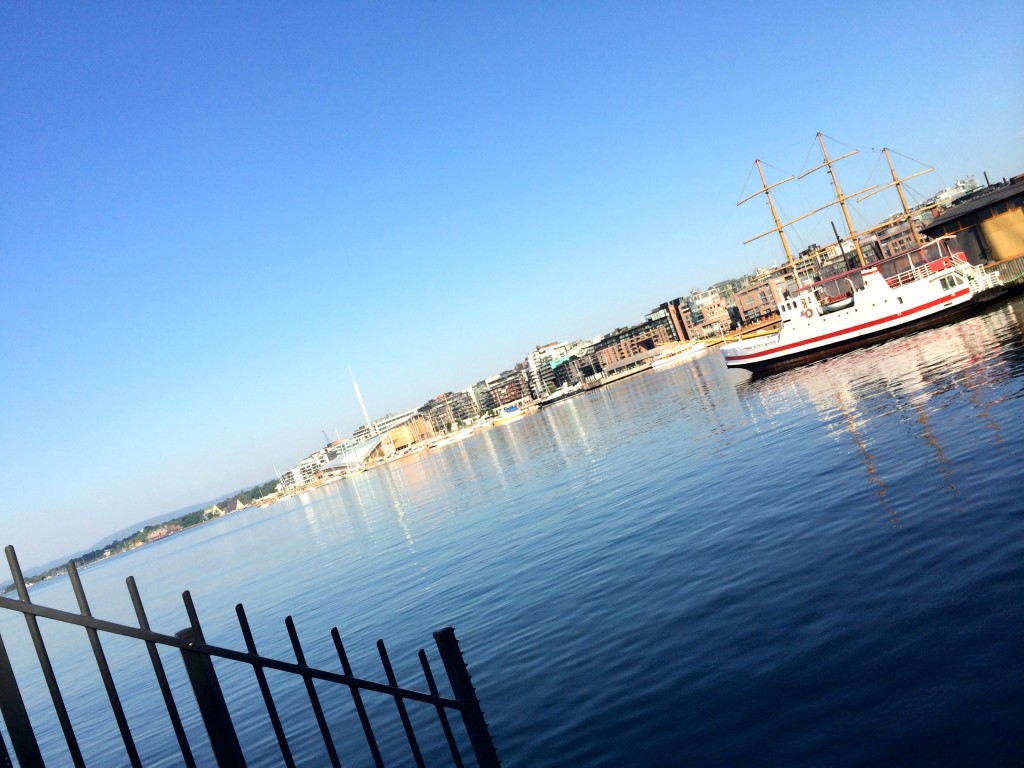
541 362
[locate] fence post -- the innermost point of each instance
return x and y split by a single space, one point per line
210 698
12 707
465 693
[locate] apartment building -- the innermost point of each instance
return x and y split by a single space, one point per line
625 343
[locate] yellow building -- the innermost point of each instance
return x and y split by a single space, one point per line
989 227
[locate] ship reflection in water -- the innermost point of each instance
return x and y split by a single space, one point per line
912 381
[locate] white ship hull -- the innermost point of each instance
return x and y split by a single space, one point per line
886 302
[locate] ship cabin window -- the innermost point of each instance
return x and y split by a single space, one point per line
950 281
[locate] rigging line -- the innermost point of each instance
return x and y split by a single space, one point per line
775 167
906 157
747 181
874 169
809 150
795 234
920 198
764 164
840 141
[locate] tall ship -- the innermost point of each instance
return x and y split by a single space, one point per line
930 284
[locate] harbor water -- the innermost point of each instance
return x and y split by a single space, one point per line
688 567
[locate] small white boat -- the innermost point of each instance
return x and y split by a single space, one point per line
507 414
680 356
563 392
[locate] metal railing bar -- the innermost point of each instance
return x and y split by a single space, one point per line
261 678
209 696
193 619
442 716
104 669
462 686
314 700
197 656
44 660
77 619
357 699
42 611
402 713
5 757
15 716
161 676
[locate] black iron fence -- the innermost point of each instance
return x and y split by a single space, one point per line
197 659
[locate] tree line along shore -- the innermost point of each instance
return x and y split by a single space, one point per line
155 532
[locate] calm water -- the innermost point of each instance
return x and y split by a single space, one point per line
824 567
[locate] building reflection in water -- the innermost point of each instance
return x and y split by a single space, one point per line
883 405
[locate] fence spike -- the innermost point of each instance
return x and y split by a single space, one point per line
314 700
161 676
261 679
402 713
104 668
44 662
465 693
357 699
208 693
12 707
442 716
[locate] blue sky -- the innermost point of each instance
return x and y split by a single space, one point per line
211 210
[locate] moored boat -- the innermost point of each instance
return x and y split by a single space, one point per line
925 286
508 414
928 286
679 356
562 393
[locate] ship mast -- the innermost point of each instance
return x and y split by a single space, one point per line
898 183
840 197
779 226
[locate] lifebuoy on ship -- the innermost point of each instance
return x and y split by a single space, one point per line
807 313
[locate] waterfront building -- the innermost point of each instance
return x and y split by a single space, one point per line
309 466
898 234
483 397
355 458
395 434
677 319
624 344
989 226
233 506
509 386
542 363
727 289
950 195
448 410
578 368
710 310
401 436
463 405
715 317
382 425
289 479
761 300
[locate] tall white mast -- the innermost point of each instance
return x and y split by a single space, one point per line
369 424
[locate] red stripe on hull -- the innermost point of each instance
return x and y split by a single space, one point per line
824 337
